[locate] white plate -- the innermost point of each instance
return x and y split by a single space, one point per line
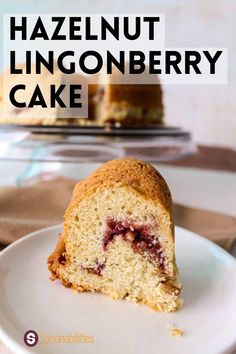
30 301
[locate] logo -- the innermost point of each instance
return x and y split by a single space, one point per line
31 338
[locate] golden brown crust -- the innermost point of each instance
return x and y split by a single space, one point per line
136 174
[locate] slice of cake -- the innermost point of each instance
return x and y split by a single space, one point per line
118 237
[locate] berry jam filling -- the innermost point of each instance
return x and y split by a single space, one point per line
138 236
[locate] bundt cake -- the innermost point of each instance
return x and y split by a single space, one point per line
118 237
108 103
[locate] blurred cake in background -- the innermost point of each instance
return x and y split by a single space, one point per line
126 99
108 103
129 104
36 115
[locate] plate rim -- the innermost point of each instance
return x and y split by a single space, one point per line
13 345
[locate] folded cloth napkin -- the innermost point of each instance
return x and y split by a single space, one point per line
219 228
26 209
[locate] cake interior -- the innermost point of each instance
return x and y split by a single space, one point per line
118 243
139 237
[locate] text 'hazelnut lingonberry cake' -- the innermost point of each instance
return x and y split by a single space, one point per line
118 237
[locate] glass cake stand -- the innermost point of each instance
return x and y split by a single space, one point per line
59 150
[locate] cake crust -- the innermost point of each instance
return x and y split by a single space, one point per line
136 174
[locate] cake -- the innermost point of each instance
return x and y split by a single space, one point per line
127 99
118 237
109 101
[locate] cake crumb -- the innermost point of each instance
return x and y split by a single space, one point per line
176 332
